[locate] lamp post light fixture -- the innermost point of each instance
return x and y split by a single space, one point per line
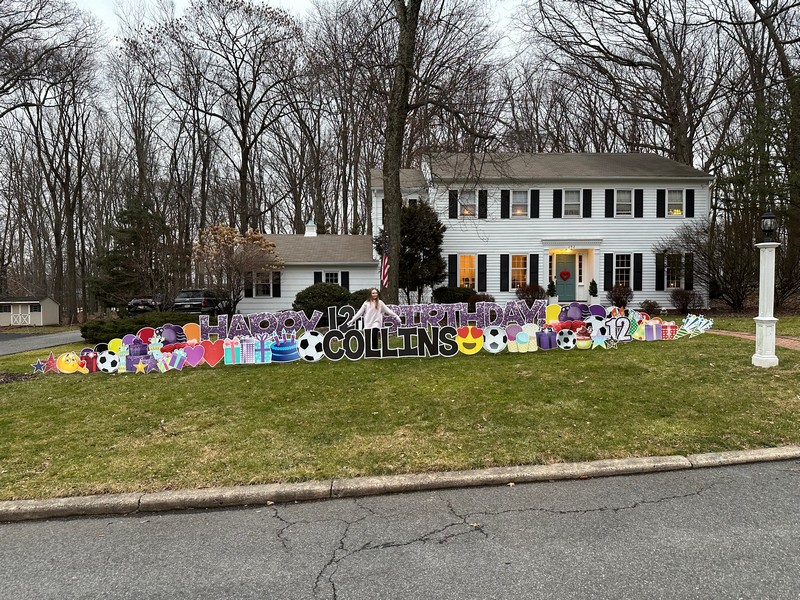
765 321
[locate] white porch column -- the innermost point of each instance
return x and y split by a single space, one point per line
765 321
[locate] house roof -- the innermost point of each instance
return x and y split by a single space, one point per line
410 179
323 249
11 299
549 166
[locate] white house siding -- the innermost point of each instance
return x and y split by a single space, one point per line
296 278
592 237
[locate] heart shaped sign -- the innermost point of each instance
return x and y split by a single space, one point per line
565 275
214 351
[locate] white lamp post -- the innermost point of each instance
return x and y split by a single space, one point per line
765 322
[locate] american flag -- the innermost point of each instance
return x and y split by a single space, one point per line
385 265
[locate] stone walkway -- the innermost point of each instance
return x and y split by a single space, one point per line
790 342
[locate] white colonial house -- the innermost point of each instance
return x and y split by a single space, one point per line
347 260
571 218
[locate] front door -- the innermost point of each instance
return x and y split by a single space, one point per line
565 277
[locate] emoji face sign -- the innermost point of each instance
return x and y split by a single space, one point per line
469 339
70 363
494 340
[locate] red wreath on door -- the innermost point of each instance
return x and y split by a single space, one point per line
565 274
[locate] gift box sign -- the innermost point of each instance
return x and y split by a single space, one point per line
546 340
652 332
232 351
668 331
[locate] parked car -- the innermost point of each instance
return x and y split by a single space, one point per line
138 306
201 302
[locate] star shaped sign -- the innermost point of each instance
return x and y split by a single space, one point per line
598 340
38 366
50 364
140 366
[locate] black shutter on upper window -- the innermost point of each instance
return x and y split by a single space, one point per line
483 204
609 204
660 258
346 280
557 196
587 204
276 284
481 272
533 271
534 208
638 204
453 199
689 204
637 272
504 266
688 271
317 276
452 270
248 284
608 271
505 204
661 203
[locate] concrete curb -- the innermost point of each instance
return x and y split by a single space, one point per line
124 504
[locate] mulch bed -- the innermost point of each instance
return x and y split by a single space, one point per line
15 377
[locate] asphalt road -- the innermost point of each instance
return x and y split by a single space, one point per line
12 343
731 532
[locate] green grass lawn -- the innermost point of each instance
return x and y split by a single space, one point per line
63 435
789 325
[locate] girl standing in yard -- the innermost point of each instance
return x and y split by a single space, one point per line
373 310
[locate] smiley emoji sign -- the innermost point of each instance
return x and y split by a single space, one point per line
469 339
70 363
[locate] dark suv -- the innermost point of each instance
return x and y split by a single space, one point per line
201 302
138 306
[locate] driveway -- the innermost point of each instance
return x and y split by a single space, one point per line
13 343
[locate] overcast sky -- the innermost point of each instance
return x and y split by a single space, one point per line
105 9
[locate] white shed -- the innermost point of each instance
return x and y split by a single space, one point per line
28 310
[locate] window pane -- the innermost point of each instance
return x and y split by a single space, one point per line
572 203
519 204
332 277
519 270
624 203
466 270
675 202
673 270
5 308
262 284
466 201
622 270
35 308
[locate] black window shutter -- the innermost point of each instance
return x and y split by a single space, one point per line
689 204
317 276
452 270
638 204
587 204
505 204
483 204
533 271
637 272
534 211
504 264
661 203
248 284
481 272
608 271
609 204
660 258
276 284
557 195
453 212
688 271
345 280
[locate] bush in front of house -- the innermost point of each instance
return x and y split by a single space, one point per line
685 300
97 331
452 295
620 296
475 298
651 307
357 298
530 293
319 297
